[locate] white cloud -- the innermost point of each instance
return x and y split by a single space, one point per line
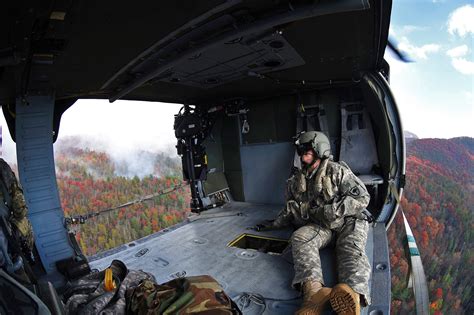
425 107
122 125
406 29
458 61
413 107
398 31
392 31
123 129
463 66
469 97
459 51
397 67
461 21
419 52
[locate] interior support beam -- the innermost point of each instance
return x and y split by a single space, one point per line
34 145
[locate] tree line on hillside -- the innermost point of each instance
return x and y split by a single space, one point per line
438 202
87 183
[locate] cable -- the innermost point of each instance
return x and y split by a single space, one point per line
80 219
197 217
317 233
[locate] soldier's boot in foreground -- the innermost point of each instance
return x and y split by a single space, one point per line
344 300
314 298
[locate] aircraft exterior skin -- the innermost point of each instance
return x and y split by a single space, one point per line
251 74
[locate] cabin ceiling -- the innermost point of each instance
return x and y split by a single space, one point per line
191 51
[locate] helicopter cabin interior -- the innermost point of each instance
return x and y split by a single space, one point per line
250 151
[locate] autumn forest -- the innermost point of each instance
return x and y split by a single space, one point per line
438 201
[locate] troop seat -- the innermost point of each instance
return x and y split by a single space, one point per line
358 147
371 179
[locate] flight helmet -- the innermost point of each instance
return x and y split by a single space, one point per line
315 140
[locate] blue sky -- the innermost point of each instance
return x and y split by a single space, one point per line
434 93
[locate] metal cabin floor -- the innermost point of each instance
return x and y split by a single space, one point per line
200 246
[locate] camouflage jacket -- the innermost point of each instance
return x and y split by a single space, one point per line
18 208
325 195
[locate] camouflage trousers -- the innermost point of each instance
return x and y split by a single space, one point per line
352 263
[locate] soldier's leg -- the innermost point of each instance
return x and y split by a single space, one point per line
352 262
306 242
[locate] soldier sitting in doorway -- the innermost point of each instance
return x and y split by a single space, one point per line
325 200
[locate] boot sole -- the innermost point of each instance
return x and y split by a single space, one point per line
312 310
315 308
308 311
343 303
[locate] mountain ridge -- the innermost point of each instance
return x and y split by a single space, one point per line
438 201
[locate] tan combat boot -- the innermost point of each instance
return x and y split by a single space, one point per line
344 300
314 298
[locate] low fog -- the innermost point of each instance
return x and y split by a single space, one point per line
131 132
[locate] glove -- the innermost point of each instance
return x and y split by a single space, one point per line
264 226
318 213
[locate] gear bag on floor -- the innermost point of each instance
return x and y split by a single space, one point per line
190 295
136 292
89 294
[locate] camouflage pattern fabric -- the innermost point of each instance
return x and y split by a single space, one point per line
191 295
19 220
324 203
352 262
306 242
87 295
325 195
138 293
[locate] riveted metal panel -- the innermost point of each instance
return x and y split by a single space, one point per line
34 145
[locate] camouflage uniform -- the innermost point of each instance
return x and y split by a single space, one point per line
191 295
138 293
325 202
87 295
20 223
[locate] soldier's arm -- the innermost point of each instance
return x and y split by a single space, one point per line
280 221
18 201
18 210
284 217
15 192
353 196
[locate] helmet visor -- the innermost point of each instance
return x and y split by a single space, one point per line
303 148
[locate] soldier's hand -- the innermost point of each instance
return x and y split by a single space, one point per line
264 226
317 213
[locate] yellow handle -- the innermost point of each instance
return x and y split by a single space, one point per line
109 282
